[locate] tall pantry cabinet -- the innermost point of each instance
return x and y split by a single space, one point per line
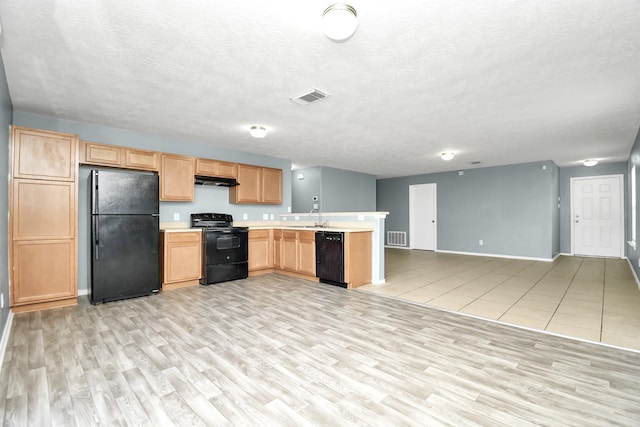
43 196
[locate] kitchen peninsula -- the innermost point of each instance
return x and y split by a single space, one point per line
355 226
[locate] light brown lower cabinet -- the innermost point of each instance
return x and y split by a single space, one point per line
44 274
293 252
181 254
307 252
260 251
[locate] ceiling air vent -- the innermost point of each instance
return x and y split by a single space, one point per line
309 96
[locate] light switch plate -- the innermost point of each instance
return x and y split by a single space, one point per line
245 216
176 216
265 217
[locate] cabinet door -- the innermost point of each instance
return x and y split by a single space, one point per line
100 154
140 159
215 168
249 191
272 186
182 256
43 271
277 249
176 178
289 250
43 210
44 155
260 257
307 253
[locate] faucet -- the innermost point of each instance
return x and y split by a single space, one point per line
319 223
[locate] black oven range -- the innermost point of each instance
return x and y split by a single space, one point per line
225 250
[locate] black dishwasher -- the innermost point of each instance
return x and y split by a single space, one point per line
330 257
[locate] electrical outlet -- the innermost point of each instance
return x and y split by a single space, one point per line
265 217
481 242
297 218
315 206
245 216
289 209
176 216
360 217
272 217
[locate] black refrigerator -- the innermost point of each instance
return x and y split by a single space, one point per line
124 235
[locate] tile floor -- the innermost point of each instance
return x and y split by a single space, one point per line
589 298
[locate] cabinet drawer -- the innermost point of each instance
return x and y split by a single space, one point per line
259 234
186 236
289 234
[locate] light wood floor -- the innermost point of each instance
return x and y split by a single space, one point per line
274 350
590 298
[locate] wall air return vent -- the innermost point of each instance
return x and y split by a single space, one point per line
309 96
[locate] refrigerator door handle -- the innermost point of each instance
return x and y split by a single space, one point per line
96 233
95 193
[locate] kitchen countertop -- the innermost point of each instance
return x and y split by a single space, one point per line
311 228
179 230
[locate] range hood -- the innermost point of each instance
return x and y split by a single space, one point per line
216 180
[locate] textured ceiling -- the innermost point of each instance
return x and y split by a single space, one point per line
497 82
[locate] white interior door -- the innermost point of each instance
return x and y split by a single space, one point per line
422 216
597 216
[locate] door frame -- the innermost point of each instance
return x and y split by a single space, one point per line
620 178
435 214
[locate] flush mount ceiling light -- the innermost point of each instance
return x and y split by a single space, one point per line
590 162
339 21
258 131
447 155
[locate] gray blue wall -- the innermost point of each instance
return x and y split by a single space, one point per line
207 199
303 190
511 208
6 118
566 174
338 190
634 254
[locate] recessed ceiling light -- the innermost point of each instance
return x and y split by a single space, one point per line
447 155
258 131
339 21
590 162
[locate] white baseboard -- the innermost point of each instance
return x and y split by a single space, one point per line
396 247
5 337
499 256
83 292
378 282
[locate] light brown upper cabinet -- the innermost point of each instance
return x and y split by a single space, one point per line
92 153
43 155
272 186
216 168
140 159
258 185
43 227
176 177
